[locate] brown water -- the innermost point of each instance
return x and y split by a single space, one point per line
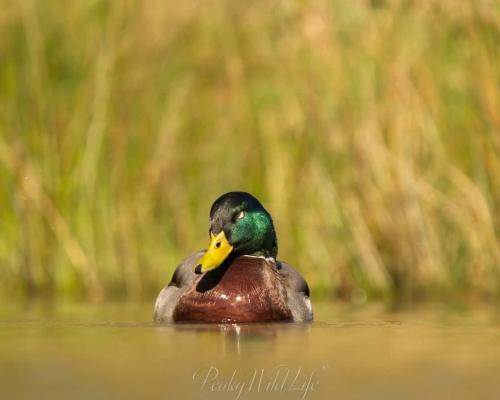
116 352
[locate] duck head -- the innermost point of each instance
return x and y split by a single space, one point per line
239 225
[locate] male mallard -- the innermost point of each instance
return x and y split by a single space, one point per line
237 279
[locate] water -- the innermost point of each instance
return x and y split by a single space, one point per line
116 352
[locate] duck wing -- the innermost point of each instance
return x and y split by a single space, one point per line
182 279
297 293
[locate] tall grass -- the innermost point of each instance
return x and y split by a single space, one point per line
369 129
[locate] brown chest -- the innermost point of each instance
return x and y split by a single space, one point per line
248 290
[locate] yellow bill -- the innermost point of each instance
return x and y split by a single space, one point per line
218 250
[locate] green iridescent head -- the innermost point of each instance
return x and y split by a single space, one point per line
239 225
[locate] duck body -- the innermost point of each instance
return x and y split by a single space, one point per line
248 289
237 278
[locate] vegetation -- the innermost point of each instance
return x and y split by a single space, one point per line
369 129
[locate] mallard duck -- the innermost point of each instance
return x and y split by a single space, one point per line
237 278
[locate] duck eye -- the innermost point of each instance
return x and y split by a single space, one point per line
240 215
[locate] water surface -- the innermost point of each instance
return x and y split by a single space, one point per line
114 351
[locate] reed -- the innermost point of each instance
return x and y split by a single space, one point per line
369 129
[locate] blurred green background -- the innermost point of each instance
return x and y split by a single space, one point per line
369 129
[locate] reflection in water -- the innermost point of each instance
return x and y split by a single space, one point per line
232 335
